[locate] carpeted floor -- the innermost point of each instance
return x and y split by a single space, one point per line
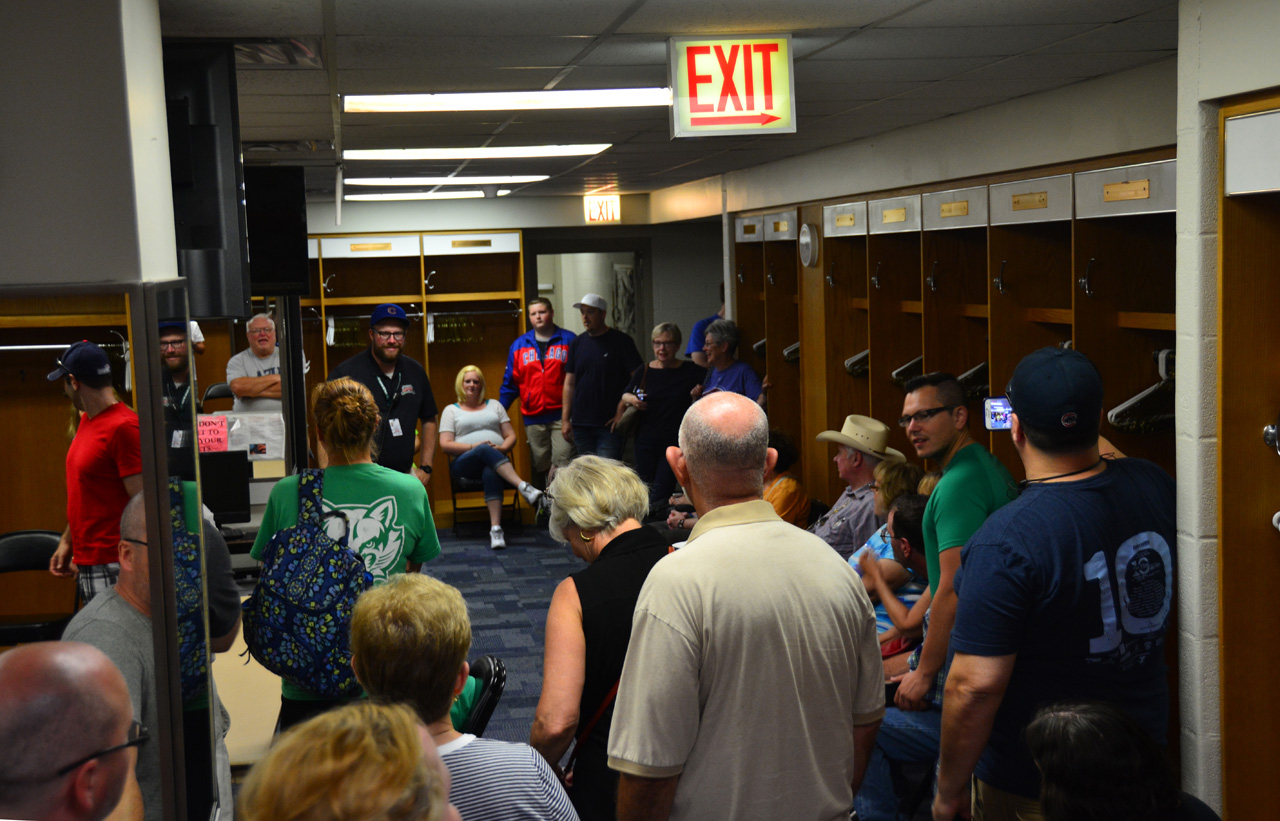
507 592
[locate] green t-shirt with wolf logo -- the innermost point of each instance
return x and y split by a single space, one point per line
389 521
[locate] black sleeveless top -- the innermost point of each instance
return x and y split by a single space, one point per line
607 590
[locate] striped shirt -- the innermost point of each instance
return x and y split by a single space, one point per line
502 781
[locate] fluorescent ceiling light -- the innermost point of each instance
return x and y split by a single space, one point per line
517 152
508 100
425 181
422 195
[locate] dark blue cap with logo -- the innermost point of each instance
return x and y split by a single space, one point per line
388 310
173 326
83 360
1055 388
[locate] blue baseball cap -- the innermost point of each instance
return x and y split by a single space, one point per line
388 310
1055 388
83 360
173 326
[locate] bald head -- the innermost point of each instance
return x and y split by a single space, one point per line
724 441
59 701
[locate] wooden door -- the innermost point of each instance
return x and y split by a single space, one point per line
1249 495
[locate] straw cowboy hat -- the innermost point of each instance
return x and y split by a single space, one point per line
865 434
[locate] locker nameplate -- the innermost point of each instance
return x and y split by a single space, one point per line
1124 191
893 215
472 243
846 220
749 228
1028 202
370 246
960 208
781 226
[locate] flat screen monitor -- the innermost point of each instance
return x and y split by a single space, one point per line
224 485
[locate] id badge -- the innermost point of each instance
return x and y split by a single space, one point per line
396 430
179 439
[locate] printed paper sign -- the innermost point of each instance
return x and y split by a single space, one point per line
211 433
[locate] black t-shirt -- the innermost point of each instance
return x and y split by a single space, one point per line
404 397
178 436
601 366
667 396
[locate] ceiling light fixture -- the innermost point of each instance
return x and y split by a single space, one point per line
424 181
422 195
507 100
516 152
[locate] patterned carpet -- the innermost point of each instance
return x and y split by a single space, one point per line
507 592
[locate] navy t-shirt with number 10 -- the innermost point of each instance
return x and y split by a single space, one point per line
1077 579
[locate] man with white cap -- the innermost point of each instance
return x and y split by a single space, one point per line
601 361
104 469
861 444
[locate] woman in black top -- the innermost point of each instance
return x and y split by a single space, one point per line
596 506
661 391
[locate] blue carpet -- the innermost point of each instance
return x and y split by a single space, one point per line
507 592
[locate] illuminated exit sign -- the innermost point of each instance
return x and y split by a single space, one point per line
603 209
731 85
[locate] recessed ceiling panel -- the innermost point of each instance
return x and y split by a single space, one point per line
385 51
757 16
1022 12
979 41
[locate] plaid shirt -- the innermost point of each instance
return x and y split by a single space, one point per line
939 680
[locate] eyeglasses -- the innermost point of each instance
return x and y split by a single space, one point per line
924 415
137 735
389 335
261 331
133 541
181 343
664 343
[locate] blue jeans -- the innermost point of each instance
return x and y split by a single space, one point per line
903 737
479 463
597 439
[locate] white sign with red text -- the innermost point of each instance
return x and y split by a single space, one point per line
722 86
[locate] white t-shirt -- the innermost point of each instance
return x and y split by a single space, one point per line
246 364
471 426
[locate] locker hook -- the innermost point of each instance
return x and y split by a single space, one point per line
999 280
740 277
932 279
875 278
427 281
1271 436
1083 282
831 277
770 277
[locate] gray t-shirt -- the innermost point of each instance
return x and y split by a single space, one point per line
471 426
112 625
245 364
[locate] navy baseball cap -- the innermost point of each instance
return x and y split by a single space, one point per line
173 326
83 360
1055 388
388 310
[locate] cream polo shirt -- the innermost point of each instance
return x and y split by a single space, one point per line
753 656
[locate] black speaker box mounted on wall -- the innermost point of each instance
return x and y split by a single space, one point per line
275 199
208 185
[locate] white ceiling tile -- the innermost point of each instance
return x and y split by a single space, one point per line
497 17
820 91
991 90
615 77
387 51
629 50
1078 66
438 80
274 133
240 18
881 71
291 118
1023 12
282 81
1167 12
267 103
979 41
757 16
1160 35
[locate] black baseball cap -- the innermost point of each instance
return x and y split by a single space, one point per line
1055 388
83 360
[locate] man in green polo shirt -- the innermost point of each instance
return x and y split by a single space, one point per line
974 485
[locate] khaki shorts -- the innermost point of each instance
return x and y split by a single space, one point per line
991 804
548 446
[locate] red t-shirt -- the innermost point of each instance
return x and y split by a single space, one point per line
104 451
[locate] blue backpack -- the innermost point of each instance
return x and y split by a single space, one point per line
193 655
297 623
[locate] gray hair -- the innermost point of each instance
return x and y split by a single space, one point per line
669 328
265 316
847 451
725 438
725 332
593 493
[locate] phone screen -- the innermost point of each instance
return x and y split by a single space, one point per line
998 413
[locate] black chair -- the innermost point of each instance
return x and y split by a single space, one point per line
471 486
492 675
816 509
218 390
27 550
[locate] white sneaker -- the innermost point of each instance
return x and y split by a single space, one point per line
531 494
497 539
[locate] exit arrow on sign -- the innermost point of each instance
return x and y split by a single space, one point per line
739 119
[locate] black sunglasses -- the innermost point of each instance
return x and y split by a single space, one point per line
137 735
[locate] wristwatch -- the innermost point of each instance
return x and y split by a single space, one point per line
425 468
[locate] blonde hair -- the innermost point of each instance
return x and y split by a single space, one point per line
928 482
462 374
593 493
896 478
669 328
409 640
346 417
361 761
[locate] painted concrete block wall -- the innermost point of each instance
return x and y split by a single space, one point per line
1196 420
687 271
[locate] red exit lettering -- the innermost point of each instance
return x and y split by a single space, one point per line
727 62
